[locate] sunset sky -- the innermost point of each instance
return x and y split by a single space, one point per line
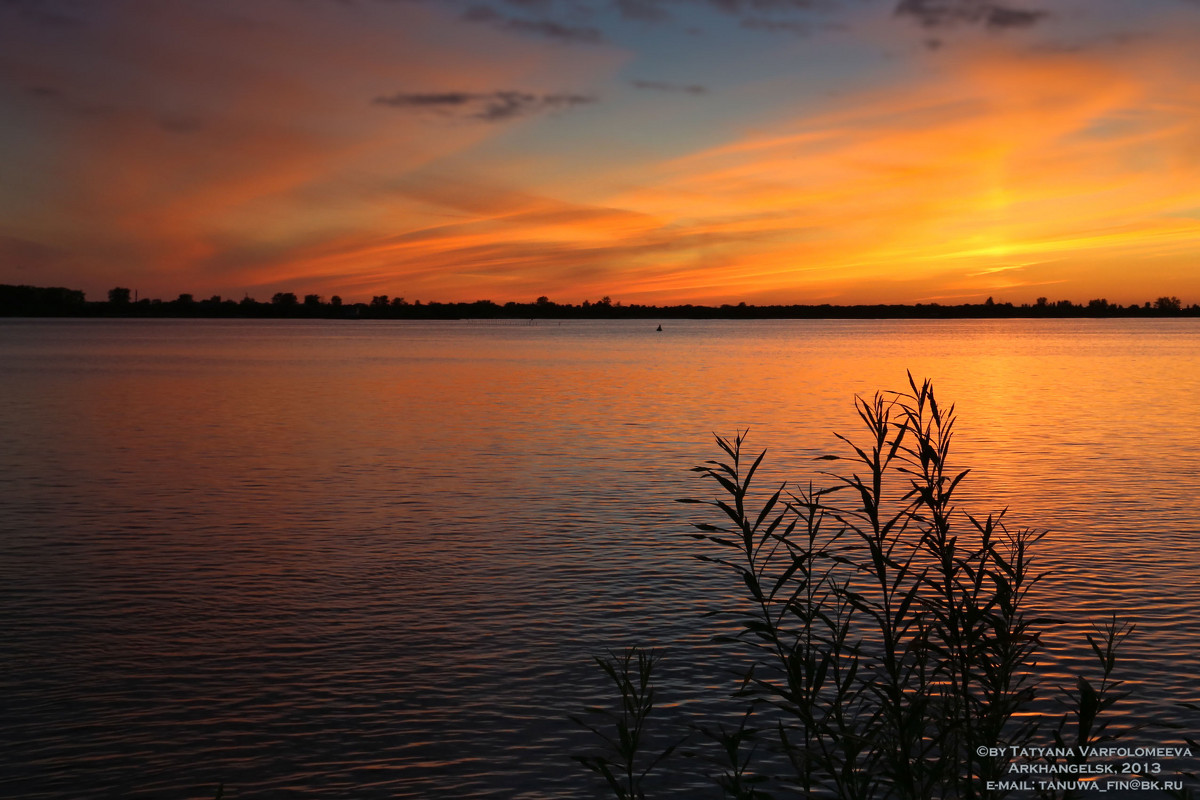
657 151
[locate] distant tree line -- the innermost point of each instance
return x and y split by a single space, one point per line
34 301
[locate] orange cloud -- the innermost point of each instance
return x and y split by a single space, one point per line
993 175
187 145
995 169
997 161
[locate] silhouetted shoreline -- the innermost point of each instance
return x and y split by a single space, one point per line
34 301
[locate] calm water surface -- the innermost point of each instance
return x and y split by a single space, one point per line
372 559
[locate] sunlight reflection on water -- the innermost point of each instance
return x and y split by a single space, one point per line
374 559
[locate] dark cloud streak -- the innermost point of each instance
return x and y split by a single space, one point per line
544 27
487 106
170 122
663 86
943 13
999 17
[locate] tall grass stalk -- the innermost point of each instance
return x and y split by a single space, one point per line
623 763
889 626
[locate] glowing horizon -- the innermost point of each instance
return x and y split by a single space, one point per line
655 151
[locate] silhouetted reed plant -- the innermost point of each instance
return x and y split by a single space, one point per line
624 766
888 626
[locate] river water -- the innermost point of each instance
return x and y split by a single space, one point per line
374 559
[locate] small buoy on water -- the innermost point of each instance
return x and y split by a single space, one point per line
660 328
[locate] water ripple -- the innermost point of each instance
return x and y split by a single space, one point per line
376 560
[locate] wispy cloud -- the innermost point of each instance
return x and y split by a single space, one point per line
487 106
797 17
664 86
547 28
1002 268
942 13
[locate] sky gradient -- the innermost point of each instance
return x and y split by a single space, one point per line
656 151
